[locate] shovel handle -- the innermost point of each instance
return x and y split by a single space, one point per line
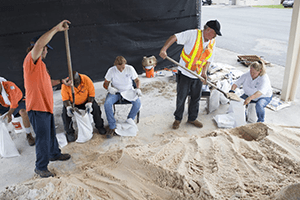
69 63
195 74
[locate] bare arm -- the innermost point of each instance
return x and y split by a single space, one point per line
37 50
137 82
233 87
106 84
65 81
253 96
168 43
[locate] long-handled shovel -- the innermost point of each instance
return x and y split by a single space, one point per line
69 64
231 96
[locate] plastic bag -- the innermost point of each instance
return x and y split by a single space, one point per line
7 146
238 110
128 128
85 128
225 120
251 113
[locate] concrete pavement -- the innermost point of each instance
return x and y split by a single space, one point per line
287 116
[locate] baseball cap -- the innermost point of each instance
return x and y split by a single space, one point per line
214 24
33 41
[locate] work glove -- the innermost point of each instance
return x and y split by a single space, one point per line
88 107
138 92
70 111
112 90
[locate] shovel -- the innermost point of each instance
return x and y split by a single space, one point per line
231 96
70 66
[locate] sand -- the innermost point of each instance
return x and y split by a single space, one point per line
255 161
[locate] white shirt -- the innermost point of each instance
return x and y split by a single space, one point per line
121 80
188 39
250 86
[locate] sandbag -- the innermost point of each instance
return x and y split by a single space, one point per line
225 120
251 113
7 146
238 110
84 125
127 128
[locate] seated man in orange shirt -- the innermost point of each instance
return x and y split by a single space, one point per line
84 94
12 101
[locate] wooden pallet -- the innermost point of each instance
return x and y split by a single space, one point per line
248 59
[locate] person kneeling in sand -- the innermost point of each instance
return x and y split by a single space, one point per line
118 79
257 88
84 92
13 103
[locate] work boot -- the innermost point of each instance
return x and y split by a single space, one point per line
30 139
110 133
102 131
176 124
196 123
71 137
62 157
43 173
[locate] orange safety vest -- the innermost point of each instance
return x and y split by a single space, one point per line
198 56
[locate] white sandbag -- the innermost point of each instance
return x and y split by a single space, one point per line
214 101
61 139
84 125
225 120
127 128
225 86
7 146
251 113
238 110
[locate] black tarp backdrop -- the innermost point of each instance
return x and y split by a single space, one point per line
100 31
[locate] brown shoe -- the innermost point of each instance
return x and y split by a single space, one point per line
30 139
196 123
110 133
176 124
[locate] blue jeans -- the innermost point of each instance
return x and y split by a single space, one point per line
260 105
108 106
46 145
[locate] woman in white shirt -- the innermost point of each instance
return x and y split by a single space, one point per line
257 88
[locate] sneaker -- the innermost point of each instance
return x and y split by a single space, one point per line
196 123
71 137
176 124
62 157
43 173
102 131
30 139
110 133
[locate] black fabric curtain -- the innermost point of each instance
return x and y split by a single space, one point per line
100 31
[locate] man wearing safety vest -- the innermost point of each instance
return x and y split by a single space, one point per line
196 55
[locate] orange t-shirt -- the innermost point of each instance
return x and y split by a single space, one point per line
82 92
14 94
38 86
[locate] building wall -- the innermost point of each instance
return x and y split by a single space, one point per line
246 2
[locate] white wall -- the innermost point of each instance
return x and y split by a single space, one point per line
246 2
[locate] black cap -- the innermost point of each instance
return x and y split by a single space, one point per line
33 41
214 24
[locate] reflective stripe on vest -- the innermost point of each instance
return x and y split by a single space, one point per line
198 56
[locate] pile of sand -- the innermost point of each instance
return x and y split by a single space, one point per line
224 164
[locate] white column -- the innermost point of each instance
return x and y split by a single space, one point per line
292 67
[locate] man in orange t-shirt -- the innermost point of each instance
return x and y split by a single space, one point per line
12 101
84 94
39 100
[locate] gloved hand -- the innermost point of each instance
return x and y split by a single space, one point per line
138 92
88 107
70 111
112 90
